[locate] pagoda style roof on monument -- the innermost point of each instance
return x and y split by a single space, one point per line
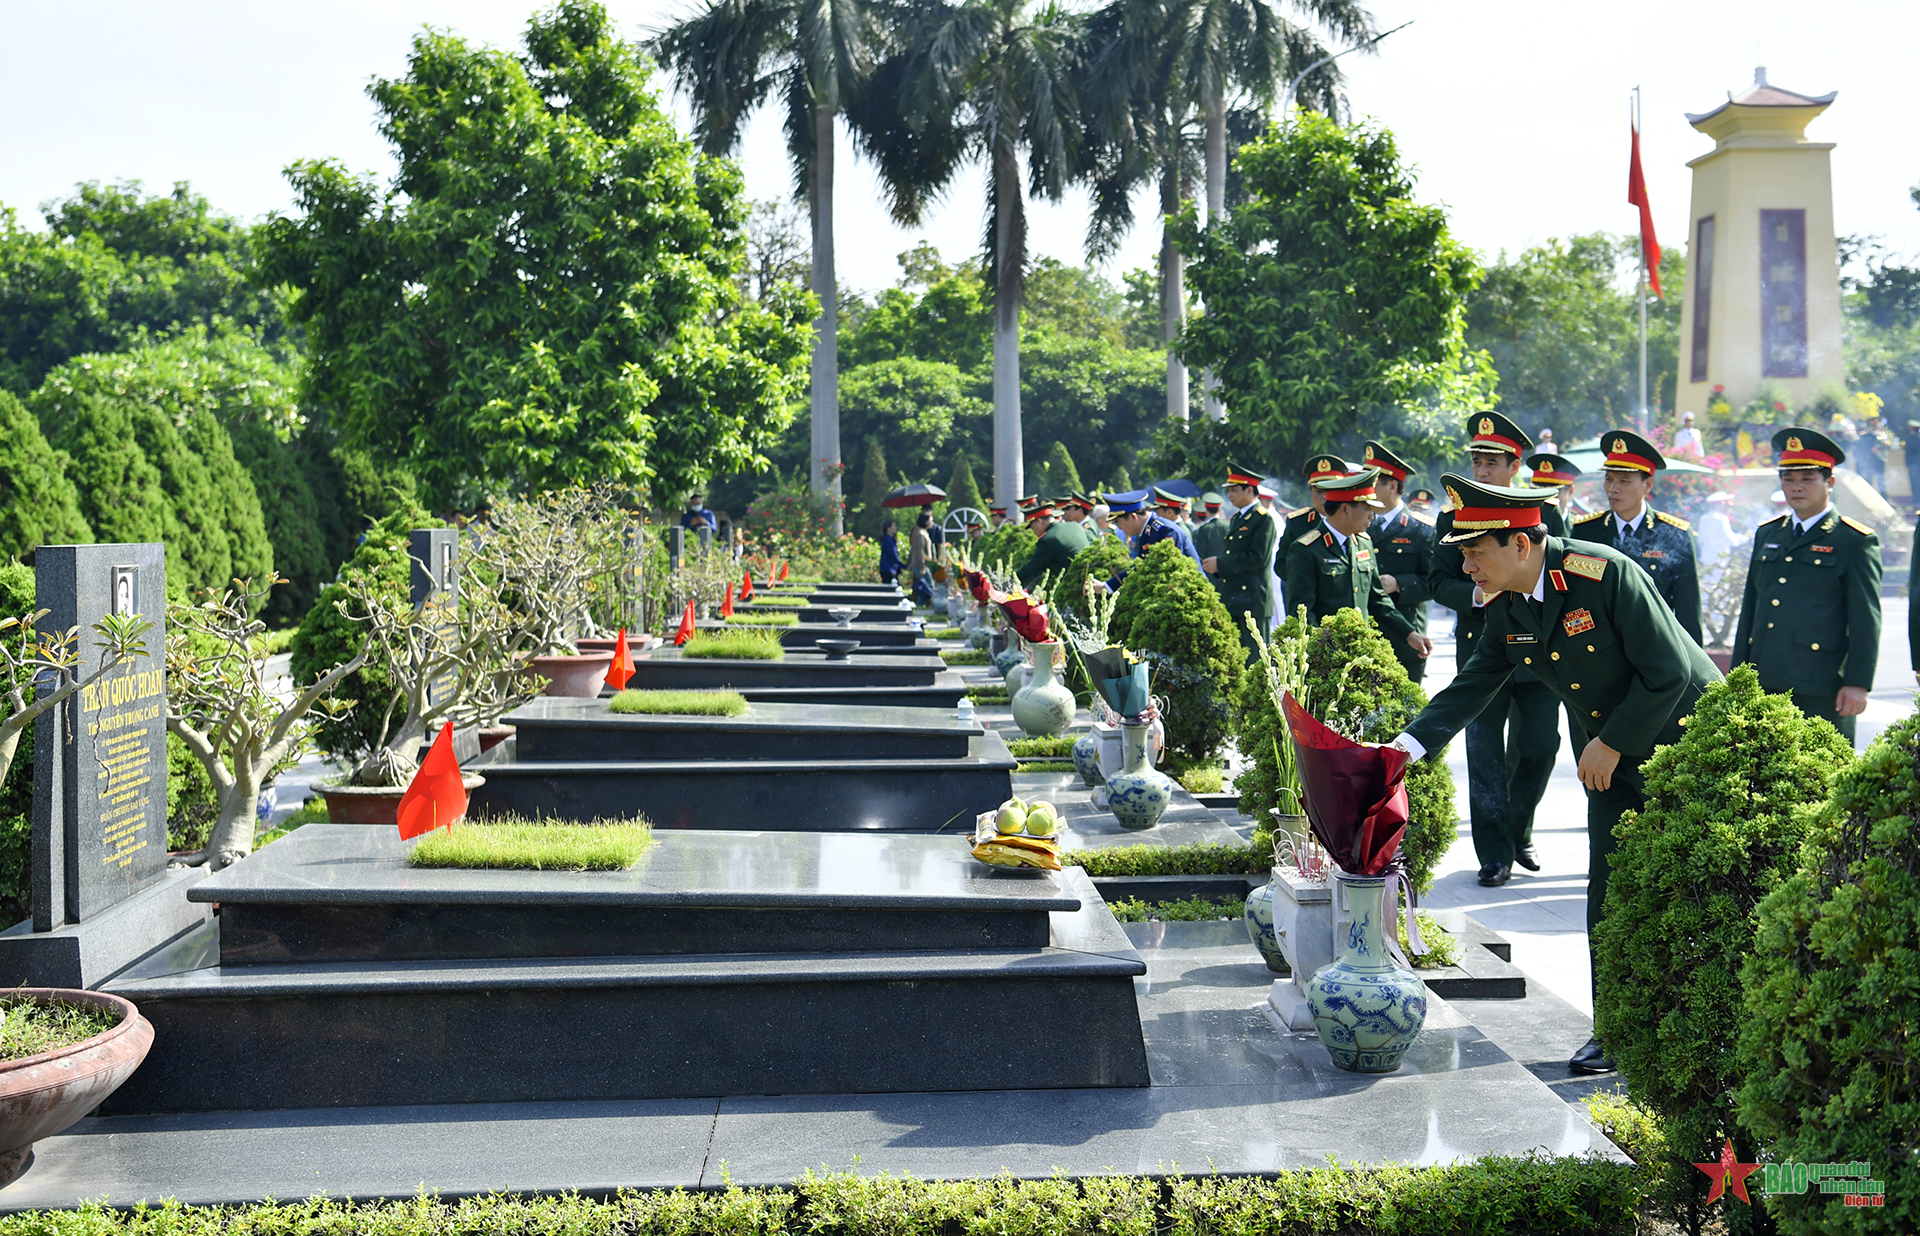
1763 110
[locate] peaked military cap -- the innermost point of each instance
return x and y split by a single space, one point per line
1127 503
1028 502
1322 466
1551 469
1806 448
1353 487
1211 500
1493 433
1042 507
1479 509
1080 500
1627 451
1237 475
1420 495
1378 456
1168 499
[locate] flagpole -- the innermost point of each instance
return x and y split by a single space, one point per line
1643 291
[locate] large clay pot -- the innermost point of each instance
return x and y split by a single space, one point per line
1260 927
1367 1007
373 804
46 1094
578 677
1139 793
1044 706
1086 759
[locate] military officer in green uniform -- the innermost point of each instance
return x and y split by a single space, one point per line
1810 621
1332 566
1294 523
1588 626
1403 545
1240 568
1210 534
1059 542
1664 544
1510 747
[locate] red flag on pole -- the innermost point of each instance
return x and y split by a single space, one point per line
622 667
783 570
746 587
436 796
1637 195
685 630
726 604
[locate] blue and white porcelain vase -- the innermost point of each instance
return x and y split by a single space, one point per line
1086 758
1015 675
1367 1007
1139 793
1008 657
1044 706
980 635
1260 928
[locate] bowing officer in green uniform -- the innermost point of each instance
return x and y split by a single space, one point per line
1588 626
1240 568
1059 542
1664 544
1403 545
1810 621
1332 566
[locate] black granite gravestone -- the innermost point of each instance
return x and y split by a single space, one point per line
435 585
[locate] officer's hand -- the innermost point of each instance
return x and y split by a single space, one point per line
1210 565
1101 584
1389 584
1851 702
1420 644
1597 763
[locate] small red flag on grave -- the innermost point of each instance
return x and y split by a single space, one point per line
746 587
783 570
685 630
622 667
1637 195
726 604
436 796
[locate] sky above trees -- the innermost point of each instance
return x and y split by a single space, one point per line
1514 113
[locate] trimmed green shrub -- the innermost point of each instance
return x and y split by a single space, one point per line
962 488
38 503
1357 686
1723 824
1169 613
295 526
1203 780
236 502
1828 1051
1058 477
120 494
16 795
965 656
1101 561
1045 745
193 805
1199 858
1184 910
1005 549
1638 1132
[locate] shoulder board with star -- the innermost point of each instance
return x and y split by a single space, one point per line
1421 517
1584 565
1308 538
1777 519
1587 519
1857 526
1297 514
1674 520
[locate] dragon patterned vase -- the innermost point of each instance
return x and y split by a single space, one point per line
1260 930
1044 706
1086 758
1139 793
1367 1007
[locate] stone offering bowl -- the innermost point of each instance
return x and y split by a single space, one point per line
45 1094
844 615
836 649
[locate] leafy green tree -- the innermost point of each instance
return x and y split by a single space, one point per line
1723 825
1334 300
116 267
1059 475
951 321
549 292
918 410
1172 614
17 598
1103 402
962 489
120 494
38 503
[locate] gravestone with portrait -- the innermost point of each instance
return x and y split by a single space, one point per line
103 895
434 586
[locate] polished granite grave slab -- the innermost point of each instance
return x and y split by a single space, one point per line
666 669
820 611
553 728
895 638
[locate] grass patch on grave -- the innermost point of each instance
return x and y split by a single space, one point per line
1203 780
514 843
1185 910
964 656
1442 949
947 633
987 695
1046 745
34 1026
781 603
680 703
1200 858
1040 766
742 645
762 620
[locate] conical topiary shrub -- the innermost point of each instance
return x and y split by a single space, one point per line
1100 561
38 503
1006 548
1726 812
1829 1049
1168 611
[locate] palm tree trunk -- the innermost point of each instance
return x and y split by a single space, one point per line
1216 213
826 336
1173 291
1009 465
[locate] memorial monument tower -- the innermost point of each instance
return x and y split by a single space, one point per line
1763 282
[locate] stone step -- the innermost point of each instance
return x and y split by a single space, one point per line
666 668
818 610
897 639
946 693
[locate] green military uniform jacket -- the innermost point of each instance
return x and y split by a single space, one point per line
1210 537
1603 640
1054 552
1450 585
1325 576
1810 621
1243 577
1663 544
1403 545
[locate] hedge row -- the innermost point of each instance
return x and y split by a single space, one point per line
1482 1198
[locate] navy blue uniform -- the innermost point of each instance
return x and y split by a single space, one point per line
1158 529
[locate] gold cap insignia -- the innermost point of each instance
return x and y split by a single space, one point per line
1323 466
1486 424
1453 496
1793 444
1619 446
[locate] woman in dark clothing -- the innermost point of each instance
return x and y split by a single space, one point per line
889 552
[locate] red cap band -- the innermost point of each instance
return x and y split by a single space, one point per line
1805 457
1551 477
1490 518
1627 461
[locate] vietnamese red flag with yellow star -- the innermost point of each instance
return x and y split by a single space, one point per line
746 587
436 797
622 667
1637 195
783 570
726 604
685 631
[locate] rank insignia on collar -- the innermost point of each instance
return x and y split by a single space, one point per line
1559 581
1581 564
1577 621
1328 538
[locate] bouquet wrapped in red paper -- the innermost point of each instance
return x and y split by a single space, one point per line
1356 793
977 584
1027 616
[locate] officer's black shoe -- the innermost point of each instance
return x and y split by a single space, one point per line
1591 1059
1526 858
1495 874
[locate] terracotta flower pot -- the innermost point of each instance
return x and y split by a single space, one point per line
373 804
578 677
45 1094
492 736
